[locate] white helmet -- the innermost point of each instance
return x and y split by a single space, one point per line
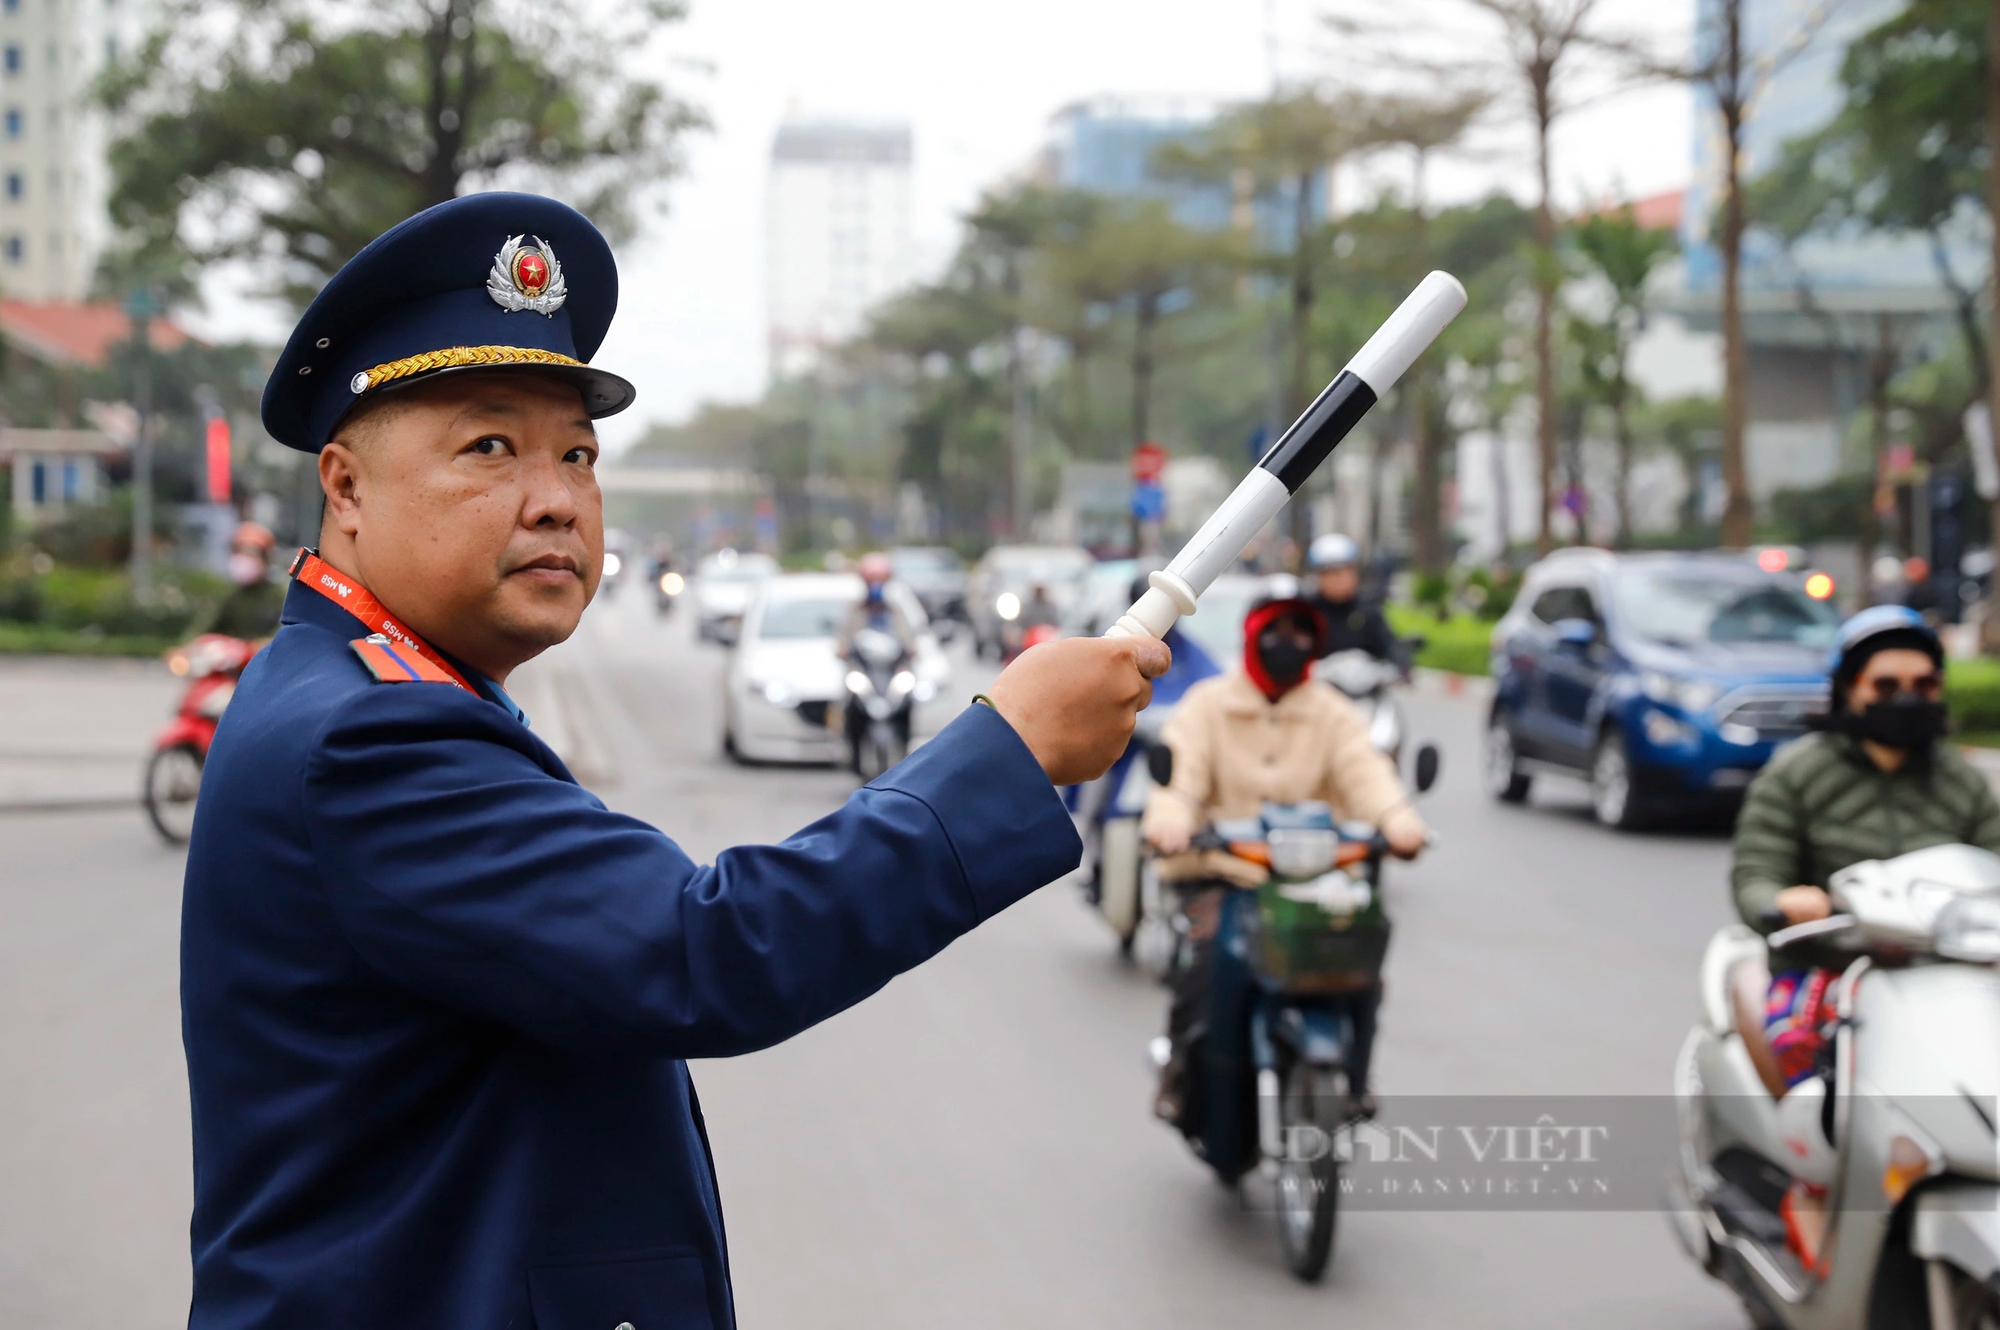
1333 550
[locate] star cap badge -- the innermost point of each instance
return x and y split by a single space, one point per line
527 276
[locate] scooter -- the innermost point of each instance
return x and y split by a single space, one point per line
1899 1127
1107 811
1313 935
1366 681
881 692
211 664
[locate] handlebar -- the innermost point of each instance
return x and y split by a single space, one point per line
1833 923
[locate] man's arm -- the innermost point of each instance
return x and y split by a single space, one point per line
461 869
1985 830
1765 856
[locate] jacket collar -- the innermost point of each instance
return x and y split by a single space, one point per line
1244 698
307 606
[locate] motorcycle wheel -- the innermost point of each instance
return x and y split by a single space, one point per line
1309 1188
1975 1305
173 780
872 757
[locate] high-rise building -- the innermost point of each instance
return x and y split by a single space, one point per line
53 174
837 233
1112 145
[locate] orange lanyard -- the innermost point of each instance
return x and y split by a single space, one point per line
311 570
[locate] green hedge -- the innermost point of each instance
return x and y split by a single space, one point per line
1459 645
42 640
65 608
1973 689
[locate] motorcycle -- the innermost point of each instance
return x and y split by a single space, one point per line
1367 681
1313 934
881 693
1107 812
1898 1124
211 664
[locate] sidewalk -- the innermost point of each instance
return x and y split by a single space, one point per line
75 731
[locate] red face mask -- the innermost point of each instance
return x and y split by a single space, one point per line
1273 674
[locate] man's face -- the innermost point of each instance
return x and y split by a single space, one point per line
1898 670
1339 583
473 513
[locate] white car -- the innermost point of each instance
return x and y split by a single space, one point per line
781 691
723 584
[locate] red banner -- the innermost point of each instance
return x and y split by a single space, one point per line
218 459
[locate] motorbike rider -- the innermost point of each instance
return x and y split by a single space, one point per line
875 609
251 609
1872 782
1264 732
1352 623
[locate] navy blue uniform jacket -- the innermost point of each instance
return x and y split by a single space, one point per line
436 997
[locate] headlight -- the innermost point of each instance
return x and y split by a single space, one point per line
857 683
216 700
777 694
1302 851
672 583
1667 731
1968 929
1687 694
901 684
1008 606
612 563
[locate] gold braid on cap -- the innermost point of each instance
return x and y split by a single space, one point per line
457 357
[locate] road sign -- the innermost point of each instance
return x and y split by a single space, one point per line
1149 461
1149 502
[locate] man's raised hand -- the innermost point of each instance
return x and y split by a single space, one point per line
1073 702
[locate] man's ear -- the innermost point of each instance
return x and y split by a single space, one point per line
340 478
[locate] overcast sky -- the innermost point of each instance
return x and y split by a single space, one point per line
978 92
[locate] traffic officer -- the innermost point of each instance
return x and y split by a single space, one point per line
435 996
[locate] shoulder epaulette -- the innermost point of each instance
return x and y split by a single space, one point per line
390 663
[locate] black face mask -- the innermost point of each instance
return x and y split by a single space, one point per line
1283 659
1909 722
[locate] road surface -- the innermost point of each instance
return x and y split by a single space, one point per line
972 1146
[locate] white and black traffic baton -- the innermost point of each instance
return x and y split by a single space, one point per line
1296 455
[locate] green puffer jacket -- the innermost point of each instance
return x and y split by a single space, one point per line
1823 804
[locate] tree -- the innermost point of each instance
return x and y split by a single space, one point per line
1619 252
1734 77
270 129
1544 38
1425 124
1009 228
1137 256
1283 149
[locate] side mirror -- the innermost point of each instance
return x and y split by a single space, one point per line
1427 767
1576 634
1160 764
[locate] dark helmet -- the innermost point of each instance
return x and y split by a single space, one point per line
1880 628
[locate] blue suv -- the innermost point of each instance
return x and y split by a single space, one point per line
1665 680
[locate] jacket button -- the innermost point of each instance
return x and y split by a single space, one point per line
624 1325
